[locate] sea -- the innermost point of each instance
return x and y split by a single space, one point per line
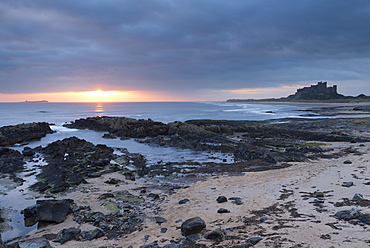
14 198
59 113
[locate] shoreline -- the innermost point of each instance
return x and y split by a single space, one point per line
299 218
315 104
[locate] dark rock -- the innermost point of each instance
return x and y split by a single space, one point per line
217 234
318 194
238 202
358 197
365 218
152 245
113 181
50 210
75 179
30 211
348 214
193 237
70 161
160 220
106 196
11 161
254 240
223 210
173 246
347 162
164 230
130 176
221 199
183 201
34 243
122 127
347 184
66 235
154 196
94 217
94 234
264 218
192 226
109 136
53 210
10 135
27 151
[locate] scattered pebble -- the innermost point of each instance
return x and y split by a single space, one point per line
223 210
221 199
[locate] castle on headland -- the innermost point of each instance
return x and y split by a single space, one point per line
321 87
314 93
320 91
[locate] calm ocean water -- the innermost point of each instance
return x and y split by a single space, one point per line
59 113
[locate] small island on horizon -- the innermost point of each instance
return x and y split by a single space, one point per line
314 93
37 101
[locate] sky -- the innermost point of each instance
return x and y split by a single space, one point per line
180 50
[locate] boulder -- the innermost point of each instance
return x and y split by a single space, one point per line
358 197
27 151
67 234
93 234
347 184
50 210
254 240
217 234
35 243
192 226
223 210
365 218
159 220
348 214
264 218
221 199
183 201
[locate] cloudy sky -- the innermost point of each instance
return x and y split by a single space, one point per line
184 49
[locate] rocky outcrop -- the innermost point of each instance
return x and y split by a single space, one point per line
72 160
121 126
11 161
10 135
69 162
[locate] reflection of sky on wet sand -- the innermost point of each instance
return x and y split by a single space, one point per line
15 198
99 109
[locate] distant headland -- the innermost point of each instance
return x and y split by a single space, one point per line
314 93
36 101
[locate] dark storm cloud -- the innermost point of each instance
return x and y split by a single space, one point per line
178 45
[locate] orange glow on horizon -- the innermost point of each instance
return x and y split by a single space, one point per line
87 96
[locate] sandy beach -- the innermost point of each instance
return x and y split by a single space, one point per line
284 196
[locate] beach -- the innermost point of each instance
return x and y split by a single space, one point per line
302 173
294 221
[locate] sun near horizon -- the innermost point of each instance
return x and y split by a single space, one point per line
100 95
97 95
